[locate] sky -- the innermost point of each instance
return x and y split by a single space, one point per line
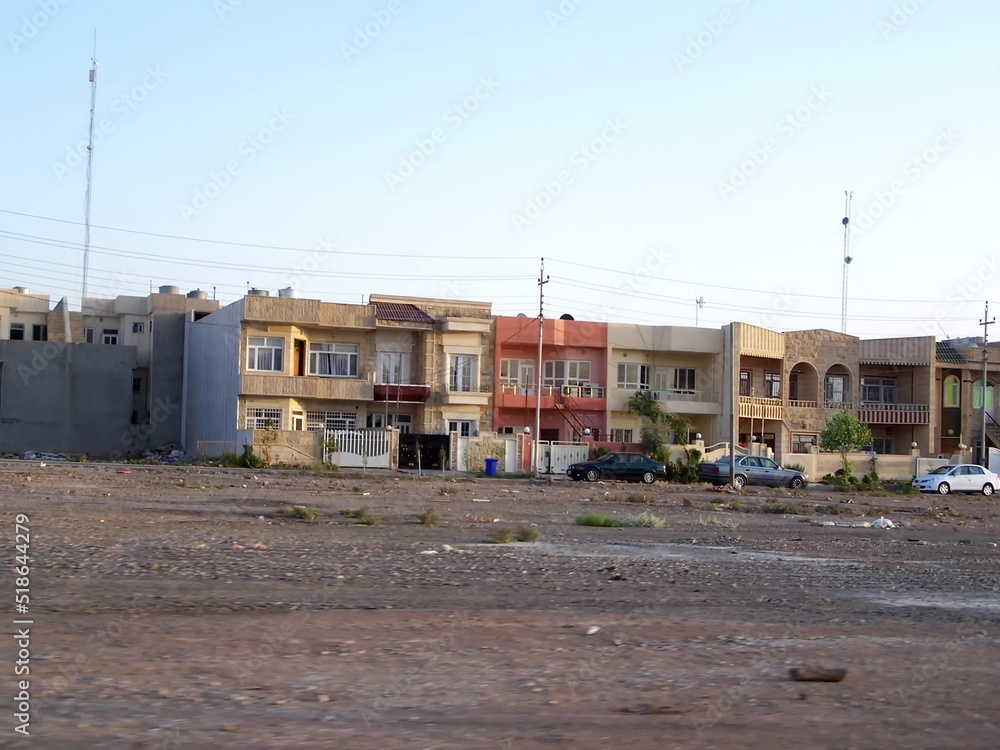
653 153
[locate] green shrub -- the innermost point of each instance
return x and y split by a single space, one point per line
429 517
501 535
600 451
526 533
230 459
363 516
250 460
596 519
644 519
300 511
796 467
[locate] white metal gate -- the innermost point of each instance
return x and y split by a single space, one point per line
554 457
357 448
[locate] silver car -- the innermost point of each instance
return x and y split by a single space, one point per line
961 478
752 470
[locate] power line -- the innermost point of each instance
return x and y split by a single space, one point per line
268 247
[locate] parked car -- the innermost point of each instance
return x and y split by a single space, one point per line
752 470
632 467
961 478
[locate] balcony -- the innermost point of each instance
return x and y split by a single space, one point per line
879 413
514 396
688 401
402 392
290 386
758 407
479 397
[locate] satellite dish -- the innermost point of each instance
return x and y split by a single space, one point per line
521 315
566 316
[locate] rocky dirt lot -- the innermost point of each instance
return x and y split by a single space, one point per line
179 607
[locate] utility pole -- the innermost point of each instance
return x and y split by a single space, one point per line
847 260
542 281
984 455
734 410
90 171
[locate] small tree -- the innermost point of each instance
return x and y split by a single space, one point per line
844 433
643 404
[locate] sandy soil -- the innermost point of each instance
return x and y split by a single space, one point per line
179 608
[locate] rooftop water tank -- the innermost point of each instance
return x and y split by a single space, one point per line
170 290
289 292
197 294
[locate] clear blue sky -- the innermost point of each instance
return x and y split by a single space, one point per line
652 152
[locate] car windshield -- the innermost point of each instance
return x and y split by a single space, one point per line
942 469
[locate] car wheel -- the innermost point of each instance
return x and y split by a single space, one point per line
987 489
944 488
739 481
593 475
649 477
796 483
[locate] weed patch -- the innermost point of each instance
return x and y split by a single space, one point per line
363 516
429 517
597 519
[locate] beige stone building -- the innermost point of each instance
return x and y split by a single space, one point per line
301 367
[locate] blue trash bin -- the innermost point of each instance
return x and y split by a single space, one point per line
491 466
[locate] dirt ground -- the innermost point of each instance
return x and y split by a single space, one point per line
180 608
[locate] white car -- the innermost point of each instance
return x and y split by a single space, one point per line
961 478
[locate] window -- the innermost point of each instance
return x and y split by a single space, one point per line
394 367
950 398
977 395
834 390
402 422
878 390
566 372
137 328
882 445
661 379
109 337
684 379
772 384
17 331
88 335
619 435
633 377
464 428
744 382
136 385
264 419
461 372
517 372
39 333
802 441
331 420
265 353
333 360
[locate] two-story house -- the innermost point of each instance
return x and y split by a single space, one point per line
572 402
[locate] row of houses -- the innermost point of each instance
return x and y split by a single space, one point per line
128 374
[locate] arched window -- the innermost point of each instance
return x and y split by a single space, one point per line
951 391
977 395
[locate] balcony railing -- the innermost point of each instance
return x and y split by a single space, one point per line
838 405
681 394
800 404
307 387
569 391
758 407
879 413
408 392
